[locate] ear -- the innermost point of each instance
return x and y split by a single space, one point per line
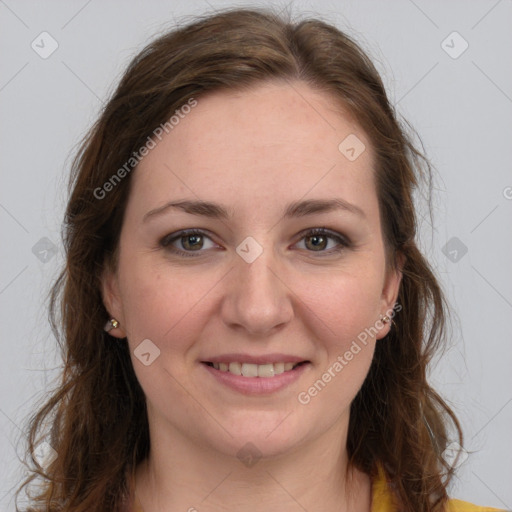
390 292
112 300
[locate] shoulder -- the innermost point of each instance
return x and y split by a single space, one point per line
463 506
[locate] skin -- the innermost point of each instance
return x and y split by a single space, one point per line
253 152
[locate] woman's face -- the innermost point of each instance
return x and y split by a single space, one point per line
253 285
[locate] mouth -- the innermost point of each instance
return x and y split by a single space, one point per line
250 370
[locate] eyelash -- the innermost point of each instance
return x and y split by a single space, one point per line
344 242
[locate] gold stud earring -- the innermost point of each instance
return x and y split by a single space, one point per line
111 324
385 319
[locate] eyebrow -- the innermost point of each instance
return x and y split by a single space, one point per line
295 209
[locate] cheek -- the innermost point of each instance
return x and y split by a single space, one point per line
164 304
164 307
343 310
345 301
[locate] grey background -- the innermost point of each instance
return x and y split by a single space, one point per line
461 107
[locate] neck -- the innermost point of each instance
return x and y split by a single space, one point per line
180 474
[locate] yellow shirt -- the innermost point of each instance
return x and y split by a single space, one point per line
382 500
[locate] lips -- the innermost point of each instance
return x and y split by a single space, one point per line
256 379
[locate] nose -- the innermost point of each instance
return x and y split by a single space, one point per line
258 299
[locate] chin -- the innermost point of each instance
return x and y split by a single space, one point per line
269 437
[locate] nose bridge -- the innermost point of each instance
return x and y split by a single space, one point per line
258 299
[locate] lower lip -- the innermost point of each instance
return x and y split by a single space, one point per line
257 385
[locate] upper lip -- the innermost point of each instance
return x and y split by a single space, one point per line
247 358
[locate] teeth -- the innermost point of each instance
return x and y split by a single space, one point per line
235 368
265 370
278 368
255 370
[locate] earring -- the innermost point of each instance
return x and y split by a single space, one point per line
385 319
111 324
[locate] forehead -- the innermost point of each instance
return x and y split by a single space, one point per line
274 142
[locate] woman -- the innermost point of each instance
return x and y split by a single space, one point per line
247 320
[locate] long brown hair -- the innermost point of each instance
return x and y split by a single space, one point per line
97 414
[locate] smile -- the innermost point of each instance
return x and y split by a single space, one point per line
256 379
255 370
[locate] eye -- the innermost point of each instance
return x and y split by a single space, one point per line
317 240
191 240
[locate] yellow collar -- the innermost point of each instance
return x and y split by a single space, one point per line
381 496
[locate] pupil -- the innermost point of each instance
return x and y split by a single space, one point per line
319 238
195 239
